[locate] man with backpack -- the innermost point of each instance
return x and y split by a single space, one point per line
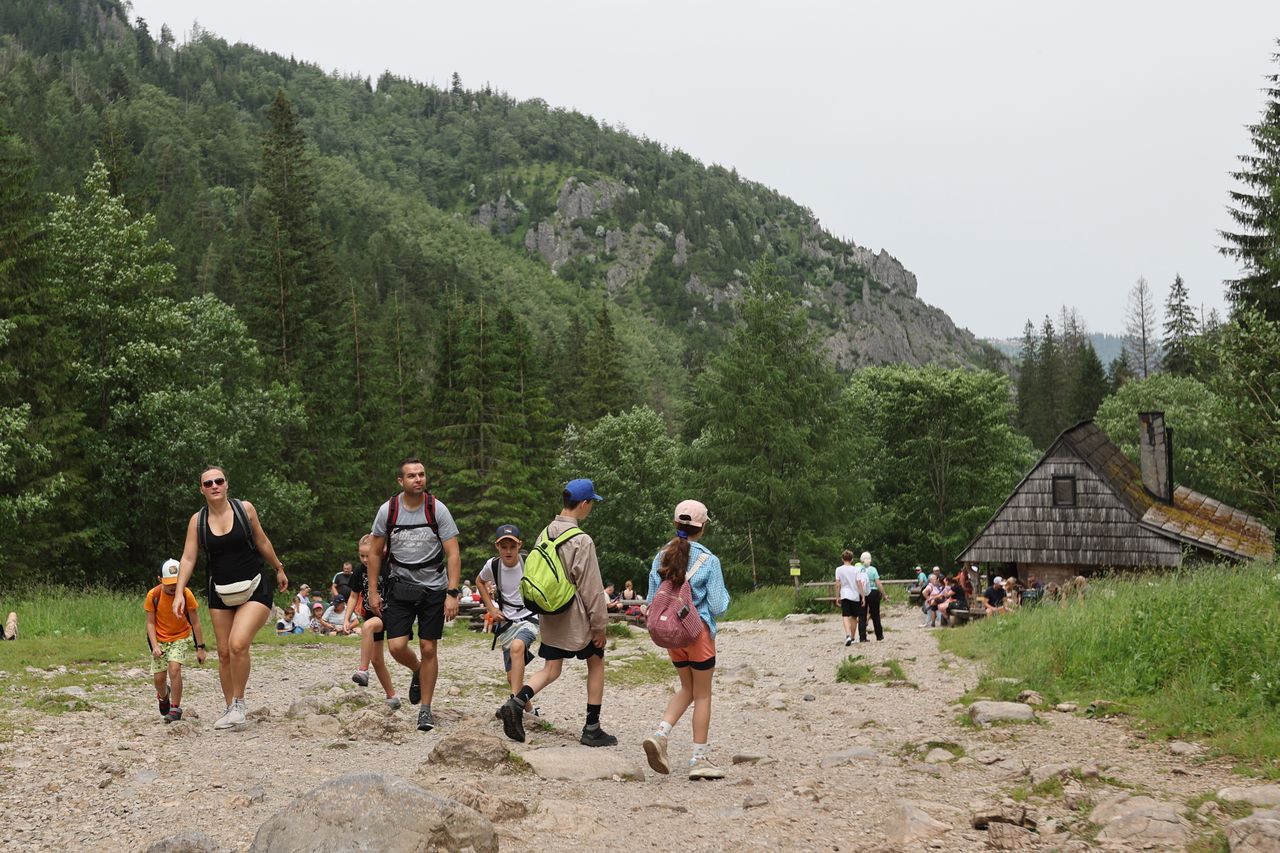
418 538
514 625
562 583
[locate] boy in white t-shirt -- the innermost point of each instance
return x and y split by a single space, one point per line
513 624
851 591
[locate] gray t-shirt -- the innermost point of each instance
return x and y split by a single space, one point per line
512 601
418 545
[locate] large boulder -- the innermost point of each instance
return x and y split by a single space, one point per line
1140 822
584 763
374 811
1262 796
985 713
470 749
1258 833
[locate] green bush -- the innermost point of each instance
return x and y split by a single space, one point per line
1193 652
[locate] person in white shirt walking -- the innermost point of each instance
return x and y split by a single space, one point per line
851 592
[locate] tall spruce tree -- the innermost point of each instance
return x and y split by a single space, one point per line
1049 381
604 385
1256 211
1029 413
1089 386
1180 330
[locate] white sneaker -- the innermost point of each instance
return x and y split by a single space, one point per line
226 720
704 768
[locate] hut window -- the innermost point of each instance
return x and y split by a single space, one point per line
1064 491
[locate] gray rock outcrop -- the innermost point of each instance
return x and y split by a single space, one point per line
1258 833
1262 796
1139 821
186 842
986 713
374 811
584 763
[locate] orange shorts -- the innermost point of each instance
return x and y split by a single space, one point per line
700 654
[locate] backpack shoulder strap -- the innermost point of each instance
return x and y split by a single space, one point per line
202 527
429 510
237 506
496 571
393 513
697 565
567 535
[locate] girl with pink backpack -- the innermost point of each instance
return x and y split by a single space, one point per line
686 594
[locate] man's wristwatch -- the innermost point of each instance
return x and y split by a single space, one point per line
454 592
200 646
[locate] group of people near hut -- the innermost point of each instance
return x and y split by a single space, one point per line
409 574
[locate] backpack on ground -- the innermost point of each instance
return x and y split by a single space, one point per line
546 587
673 621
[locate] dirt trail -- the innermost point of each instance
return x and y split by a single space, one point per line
116 778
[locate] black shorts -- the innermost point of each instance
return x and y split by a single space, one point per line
427 609
547 652
849 607
262 595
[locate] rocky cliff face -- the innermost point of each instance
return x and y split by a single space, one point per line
863 303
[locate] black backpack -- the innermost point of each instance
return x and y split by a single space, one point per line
202 526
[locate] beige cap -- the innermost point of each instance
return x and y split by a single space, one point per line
692 513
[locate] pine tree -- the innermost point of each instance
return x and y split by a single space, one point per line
1089 387
604 385
1119 371
1049 380
1180 330
1256 212
1029 412
1140 330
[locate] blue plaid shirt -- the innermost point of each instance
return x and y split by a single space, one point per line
710 598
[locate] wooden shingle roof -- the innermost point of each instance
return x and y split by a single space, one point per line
1200 520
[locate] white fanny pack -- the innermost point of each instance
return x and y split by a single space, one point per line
235 594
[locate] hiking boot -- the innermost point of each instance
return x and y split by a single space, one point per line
426 722
164 703
173 716
361 677
393 702
596 736
655 749
704 768
415 689
512 716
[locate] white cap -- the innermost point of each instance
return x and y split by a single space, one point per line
998 579
169 572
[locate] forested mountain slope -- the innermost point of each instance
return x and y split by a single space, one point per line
401 165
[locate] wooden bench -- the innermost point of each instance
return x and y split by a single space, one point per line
957 616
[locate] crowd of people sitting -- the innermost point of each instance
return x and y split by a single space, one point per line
941 596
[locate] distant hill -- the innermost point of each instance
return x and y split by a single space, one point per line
1106 346
666 239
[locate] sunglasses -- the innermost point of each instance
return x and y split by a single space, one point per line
216 481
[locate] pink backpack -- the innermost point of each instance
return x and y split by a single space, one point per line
673 621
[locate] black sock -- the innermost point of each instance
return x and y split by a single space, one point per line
593 715
525 694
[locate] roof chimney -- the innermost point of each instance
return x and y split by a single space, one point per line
1155 443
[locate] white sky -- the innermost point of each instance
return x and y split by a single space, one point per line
1016 156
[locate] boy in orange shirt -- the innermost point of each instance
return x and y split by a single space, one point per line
169 637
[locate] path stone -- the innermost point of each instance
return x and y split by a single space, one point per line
321 725
1263 796
470 749
848 756
186 842
1179 747
908 823
984 713
1139 821
1030 697
584 763
755 801
985 814
374 811
748 758
1006 836
938 755
377 722
1045 772
1066 707
495 806
1258 833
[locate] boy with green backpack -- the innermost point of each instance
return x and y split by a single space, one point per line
562 583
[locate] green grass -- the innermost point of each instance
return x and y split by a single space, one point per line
1049 789
853 671
639 670
618 629
768 602
1190 654
1232 809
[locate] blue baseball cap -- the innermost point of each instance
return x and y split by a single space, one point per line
507 531
582 490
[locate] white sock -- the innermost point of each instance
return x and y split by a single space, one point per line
664 729
699 751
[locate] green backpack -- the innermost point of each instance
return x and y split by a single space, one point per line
546 587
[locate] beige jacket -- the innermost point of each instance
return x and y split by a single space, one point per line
572 628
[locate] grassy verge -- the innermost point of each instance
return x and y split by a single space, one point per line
1191 654
767 602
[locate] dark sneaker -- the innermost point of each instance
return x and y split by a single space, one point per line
512 716
164 703
361 677
426 722
415 690
173 716
596 736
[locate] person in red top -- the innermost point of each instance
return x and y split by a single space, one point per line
169 637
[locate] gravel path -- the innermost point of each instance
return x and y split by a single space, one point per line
116 778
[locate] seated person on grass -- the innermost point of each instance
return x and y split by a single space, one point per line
611 600
317 625
288 624
335 618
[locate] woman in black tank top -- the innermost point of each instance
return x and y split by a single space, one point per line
236 552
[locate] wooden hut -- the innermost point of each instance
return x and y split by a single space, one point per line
1085 506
